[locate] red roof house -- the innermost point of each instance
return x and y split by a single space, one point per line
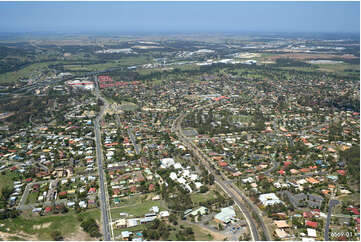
48 209
133 189
354 211
151 187
287 163
307 215
222 163
281 172
92 190
341 172
311 224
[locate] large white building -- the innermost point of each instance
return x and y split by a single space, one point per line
226 215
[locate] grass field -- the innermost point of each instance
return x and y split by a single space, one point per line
127 106
24 73
241 118
136 210
199 234
354 198
202 197
7 179
125 201
32 197
41 226
339 69
126 61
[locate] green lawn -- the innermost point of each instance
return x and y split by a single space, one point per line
24 73
241 118
32 197
65 223
199 234
354 198
137 210
118 63
125 201
335 68
202 197
128 106
7 179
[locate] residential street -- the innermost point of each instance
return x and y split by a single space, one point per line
327 228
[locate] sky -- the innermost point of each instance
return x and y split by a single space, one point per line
119 17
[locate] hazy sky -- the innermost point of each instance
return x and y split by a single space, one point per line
180 16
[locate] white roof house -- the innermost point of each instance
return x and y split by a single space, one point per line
132 222
248 180
194 177
181 180
201 210
269 199
82 204
70 203
173 176
167 162
178 166
311 232
198 185
126 234
301 181
164 214
155 209
186 172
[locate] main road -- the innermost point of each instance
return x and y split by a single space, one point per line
226 186
102 182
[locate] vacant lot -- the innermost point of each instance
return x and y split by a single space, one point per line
137 210
202 197
7 179
36 227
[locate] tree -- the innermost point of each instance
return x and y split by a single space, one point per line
189 230
203 189
56 235
90 226
211 179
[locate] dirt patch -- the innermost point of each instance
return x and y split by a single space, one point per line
6 236
79 235
215 235
42 226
